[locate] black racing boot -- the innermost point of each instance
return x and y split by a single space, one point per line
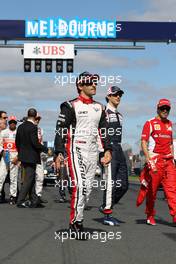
2 199
77 231
12 200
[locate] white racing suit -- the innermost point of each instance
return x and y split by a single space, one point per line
79 123
7 142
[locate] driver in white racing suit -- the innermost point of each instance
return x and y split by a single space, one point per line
7 142
78 123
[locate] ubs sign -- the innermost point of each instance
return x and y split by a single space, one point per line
48 51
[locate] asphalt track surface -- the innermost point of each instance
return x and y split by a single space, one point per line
28 235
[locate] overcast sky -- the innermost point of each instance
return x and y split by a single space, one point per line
146 75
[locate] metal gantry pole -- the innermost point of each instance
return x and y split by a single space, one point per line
83 47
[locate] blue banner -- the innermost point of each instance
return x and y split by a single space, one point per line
124 31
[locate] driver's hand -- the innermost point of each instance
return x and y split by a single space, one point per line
107 158
15 161
49 152
58 161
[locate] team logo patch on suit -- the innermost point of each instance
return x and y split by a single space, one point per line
83 112
157 127
112 118
169 127
96 109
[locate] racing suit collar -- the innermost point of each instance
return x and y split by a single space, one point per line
110 107
85 100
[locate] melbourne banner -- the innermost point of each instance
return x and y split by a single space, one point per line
75 28
46 29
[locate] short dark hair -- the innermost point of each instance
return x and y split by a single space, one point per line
2 112
32 112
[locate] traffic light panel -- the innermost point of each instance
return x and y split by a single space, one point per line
70 65
38 65
59 65
27 65
48 66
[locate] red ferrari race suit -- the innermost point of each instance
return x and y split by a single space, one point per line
144 180
159 136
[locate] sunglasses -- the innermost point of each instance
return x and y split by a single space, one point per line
5 117
117 94
12 122
90 83
163 108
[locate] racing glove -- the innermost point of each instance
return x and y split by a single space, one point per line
152 166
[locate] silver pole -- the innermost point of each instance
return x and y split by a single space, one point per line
128 47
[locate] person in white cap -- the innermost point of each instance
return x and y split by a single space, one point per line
7 142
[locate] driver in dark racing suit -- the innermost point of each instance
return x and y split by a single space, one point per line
116 174
79 124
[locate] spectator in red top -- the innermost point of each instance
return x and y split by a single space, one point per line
157 145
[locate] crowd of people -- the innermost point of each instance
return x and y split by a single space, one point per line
20 159
86 129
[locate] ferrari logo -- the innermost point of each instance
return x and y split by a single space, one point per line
157 127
